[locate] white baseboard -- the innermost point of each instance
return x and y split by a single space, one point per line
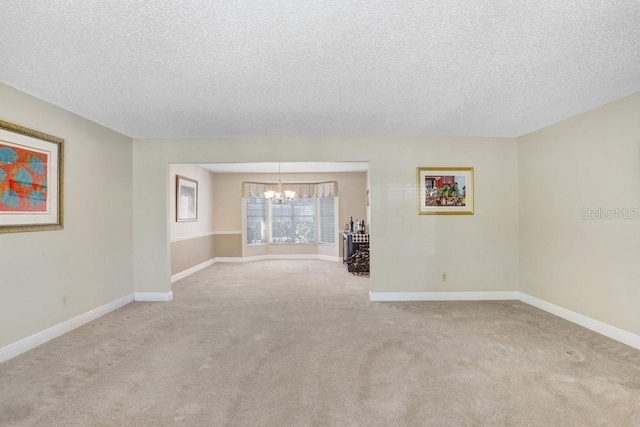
238 258
602 328
153 296
194 269
192 236
197 236
291 256
442 296
278 256
12 350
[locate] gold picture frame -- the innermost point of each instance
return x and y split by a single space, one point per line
31 180
445 190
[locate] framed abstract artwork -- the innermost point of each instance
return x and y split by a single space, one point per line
186 199
31 178
445 191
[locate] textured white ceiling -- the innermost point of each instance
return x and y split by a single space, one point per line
168 68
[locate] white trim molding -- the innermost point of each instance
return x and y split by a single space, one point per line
278 256
194 269
602 328
19 347
197 236
192 236
443 296
237 258
153 296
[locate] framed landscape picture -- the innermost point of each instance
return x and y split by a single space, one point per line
445 191
186 199
31 176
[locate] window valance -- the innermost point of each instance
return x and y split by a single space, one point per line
302 189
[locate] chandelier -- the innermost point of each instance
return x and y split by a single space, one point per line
279 197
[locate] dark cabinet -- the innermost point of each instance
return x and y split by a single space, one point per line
351 242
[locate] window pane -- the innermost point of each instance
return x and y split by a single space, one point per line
280 210
327 220
281 230
256 220
304 209
305 230
294 222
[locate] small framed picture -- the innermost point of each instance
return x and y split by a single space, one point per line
186 199
445 191
31 175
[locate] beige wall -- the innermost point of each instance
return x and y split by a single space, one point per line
368 201
228 245
590 266
479 252
90 261
188 253
192 242
205 223
229 210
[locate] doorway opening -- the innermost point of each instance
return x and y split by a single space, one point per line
238 225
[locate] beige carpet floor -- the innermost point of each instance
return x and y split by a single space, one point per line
279 343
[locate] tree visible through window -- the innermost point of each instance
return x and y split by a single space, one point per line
294 222
256 220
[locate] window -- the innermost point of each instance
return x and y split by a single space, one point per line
256 220
294 222
305 220
327 220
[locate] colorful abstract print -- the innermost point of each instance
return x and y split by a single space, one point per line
23 179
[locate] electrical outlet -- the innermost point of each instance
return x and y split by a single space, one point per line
65 300
444 276
184 259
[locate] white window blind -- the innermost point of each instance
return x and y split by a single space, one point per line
256 220
327 220
294 222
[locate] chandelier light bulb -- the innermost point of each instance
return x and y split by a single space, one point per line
276 197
